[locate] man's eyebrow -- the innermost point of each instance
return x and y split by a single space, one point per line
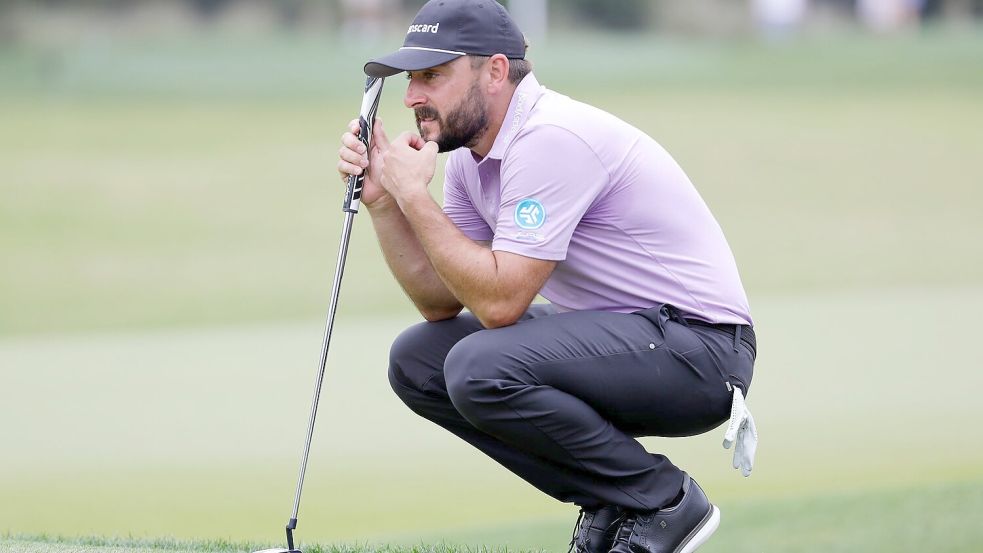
427 70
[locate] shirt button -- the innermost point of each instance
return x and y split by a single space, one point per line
651 346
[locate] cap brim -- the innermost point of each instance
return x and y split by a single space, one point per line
408 59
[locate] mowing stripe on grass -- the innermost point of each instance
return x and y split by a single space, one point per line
940 517
92 544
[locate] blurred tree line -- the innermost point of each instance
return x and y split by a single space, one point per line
623 14
384 16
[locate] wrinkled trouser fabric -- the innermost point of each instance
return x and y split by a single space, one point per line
557 398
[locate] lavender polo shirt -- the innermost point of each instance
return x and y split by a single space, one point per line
567 182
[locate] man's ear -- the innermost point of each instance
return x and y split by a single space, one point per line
498 73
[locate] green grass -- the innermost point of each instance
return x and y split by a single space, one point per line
196 433
53 544
844 164
869 519
893 520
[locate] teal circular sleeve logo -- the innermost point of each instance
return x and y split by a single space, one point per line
530 214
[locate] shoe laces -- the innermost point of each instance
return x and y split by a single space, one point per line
576 530
626 529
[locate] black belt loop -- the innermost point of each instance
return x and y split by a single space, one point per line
654 315
737 336
676 315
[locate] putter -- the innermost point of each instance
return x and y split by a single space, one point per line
353 196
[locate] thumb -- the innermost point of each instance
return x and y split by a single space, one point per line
429 152
379 138
415 141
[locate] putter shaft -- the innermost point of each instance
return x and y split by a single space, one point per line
353 197
329 325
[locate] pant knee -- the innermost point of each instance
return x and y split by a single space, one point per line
401 385
478 378
410 371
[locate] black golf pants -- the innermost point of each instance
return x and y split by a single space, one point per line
557 398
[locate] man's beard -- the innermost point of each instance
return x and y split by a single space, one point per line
463 127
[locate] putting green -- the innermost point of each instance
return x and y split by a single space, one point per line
867 520
196 433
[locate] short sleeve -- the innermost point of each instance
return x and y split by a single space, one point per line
550 178
458 206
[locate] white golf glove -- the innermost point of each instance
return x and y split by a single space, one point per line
741 431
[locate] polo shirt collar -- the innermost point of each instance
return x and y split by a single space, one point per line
523 99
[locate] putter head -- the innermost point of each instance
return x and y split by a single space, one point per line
279 550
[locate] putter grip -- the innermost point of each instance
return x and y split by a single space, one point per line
370 105
353 195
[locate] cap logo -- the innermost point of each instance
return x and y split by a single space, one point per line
423 28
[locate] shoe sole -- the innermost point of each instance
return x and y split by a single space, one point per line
701 533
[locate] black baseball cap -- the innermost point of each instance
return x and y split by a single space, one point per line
447 29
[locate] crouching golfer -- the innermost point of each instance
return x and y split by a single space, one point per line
648 331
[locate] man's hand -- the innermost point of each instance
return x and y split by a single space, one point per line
408 165
741 431
353 160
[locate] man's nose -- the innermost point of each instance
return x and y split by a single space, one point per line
413 97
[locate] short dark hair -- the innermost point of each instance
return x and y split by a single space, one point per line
518 69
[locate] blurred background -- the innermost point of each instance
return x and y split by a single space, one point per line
170 215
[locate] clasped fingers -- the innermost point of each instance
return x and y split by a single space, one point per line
352 155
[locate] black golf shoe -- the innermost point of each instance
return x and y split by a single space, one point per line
595 529
678 529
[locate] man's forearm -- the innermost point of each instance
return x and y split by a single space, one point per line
469 271
409 263
496 286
